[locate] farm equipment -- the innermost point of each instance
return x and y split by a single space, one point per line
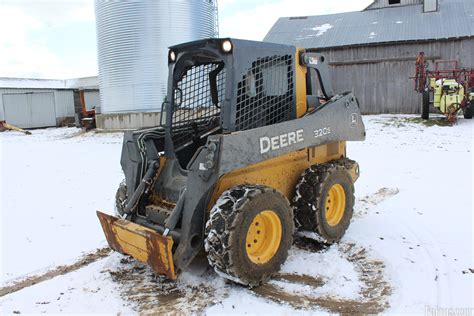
86 118
449 88
243 133
4 126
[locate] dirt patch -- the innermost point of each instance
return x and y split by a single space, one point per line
435 121
301 279
365 203
298 301
60 270
149 293
405 121
312 244
373 295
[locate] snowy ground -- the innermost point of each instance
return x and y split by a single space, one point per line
409 246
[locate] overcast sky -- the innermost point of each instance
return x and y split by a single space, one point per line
56 38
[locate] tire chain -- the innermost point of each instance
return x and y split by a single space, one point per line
221 222
121 198
305 201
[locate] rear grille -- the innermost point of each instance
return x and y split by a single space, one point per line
265 96
194 111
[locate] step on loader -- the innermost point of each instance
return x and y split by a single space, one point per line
252 146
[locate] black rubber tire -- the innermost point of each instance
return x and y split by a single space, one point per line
310 199
227 227
468 111
425 105
120 198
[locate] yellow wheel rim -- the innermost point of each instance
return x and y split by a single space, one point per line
335 204
263 237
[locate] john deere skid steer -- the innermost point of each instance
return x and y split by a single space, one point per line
252 144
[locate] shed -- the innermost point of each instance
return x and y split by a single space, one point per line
373 52
34 103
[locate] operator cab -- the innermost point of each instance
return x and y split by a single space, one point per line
219 86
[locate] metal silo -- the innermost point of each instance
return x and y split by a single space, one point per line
133 39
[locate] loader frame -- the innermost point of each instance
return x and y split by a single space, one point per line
239 141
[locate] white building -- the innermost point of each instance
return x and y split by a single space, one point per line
34 103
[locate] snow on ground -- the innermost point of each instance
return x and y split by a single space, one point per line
51 184
424 234
410 242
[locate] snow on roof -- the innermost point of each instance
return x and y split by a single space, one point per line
29 83
455 19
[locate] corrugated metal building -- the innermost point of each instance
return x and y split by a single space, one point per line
373 52
132 45
33 103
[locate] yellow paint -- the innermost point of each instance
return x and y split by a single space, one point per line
142 243
335 204
132 243
263 237
162 165
281 173
155 198
448 94
300 75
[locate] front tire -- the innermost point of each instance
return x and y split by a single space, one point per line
249 233
425 106
468 111
324 200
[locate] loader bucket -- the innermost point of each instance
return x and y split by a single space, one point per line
142 243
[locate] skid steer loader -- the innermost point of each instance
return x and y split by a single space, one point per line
247 150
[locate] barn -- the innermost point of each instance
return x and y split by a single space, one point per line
35 103
373 52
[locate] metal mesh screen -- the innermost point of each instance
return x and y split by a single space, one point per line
265 95
194 112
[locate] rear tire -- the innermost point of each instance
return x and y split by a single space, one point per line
324 200
468 111
121 199
425 106
249 233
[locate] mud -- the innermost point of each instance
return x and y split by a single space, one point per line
373 295
60 270
300 279
367 202
307 243
201 288
148 293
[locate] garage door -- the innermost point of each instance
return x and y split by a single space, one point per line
30 110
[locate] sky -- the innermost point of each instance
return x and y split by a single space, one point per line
56 39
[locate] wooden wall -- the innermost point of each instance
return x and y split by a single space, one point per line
379 75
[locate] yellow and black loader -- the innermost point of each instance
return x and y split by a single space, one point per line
252 146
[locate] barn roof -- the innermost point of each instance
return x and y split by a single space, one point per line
30 83
455 19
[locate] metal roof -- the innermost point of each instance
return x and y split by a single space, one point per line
29 83
454 19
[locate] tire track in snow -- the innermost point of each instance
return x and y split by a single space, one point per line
151 294
373 294
60 270
436 261
364 204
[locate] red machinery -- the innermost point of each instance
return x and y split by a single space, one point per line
423 74
433 84
87 118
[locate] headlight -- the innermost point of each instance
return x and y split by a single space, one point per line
172 56
226 46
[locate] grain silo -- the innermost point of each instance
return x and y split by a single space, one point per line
133 39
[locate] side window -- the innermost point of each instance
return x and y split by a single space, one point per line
251 85
275 80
